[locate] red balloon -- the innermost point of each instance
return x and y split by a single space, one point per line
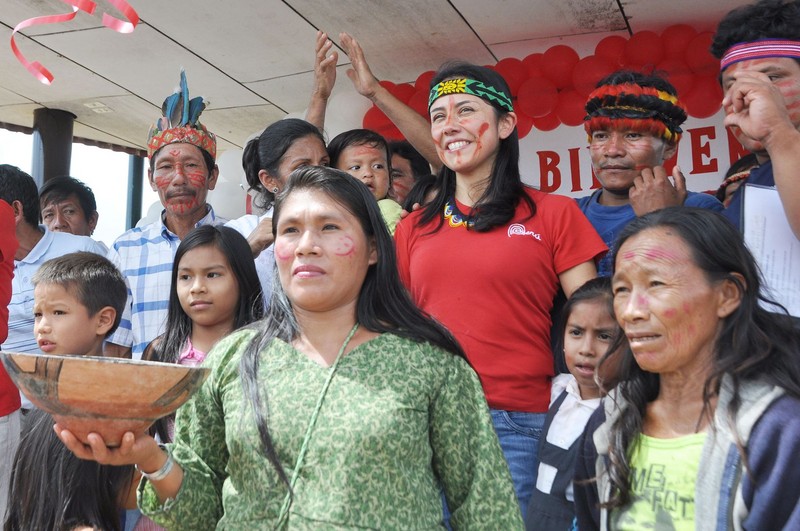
524 124
643 48
570 109
612 48
588 72
391 132
513 71
699 58
677 73
375 120
705 99
559 60
676 39
534 64
537 96
419 102
404 91
388 85
423 81
547 122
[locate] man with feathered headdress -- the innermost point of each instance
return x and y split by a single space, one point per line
634 123
182 155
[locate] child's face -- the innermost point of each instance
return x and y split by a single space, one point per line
207 288
368 165
62 324
590 332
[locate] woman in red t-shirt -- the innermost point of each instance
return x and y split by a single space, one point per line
486 257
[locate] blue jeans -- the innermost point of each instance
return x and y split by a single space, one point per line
519 434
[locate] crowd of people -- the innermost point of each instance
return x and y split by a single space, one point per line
408 336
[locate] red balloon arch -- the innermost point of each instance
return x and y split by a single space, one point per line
549 89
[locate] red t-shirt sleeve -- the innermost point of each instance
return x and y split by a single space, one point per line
575 239
402 236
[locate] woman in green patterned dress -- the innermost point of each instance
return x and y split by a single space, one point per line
345 408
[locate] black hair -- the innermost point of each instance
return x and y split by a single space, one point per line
50 488
594 289
16 185
91 278
266 151
404 149
753 343
251 303
621 77
359 137
422 186
500 199
60 188
384 304
767 19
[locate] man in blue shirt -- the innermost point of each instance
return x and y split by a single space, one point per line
759 50
633 122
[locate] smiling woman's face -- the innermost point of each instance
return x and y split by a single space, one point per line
322 252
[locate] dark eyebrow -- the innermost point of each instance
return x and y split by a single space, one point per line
458 104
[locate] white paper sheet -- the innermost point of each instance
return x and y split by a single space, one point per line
774 245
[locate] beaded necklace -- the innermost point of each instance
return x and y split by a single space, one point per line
454 216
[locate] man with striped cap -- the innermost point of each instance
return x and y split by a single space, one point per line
634 122
759 50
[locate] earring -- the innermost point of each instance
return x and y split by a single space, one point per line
275 190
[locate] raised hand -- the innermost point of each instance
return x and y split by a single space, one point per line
360 74
324 66
754 104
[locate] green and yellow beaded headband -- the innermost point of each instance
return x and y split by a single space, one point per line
493 95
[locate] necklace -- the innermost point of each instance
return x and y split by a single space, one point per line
283 517
454 216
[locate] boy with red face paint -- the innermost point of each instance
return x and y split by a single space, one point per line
633 122
182 171
759 50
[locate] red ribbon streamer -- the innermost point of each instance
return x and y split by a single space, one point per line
120 26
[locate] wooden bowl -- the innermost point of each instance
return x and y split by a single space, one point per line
109 396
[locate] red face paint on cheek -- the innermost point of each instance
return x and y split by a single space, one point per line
283 250
670 312
687 308
162 182
344 247
196 179
791 96
483 128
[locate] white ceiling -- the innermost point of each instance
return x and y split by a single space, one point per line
253 59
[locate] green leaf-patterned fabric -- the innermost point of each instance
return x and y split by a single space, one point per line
399 419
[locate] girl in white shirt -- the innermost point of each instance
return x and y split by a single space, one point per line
589 331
